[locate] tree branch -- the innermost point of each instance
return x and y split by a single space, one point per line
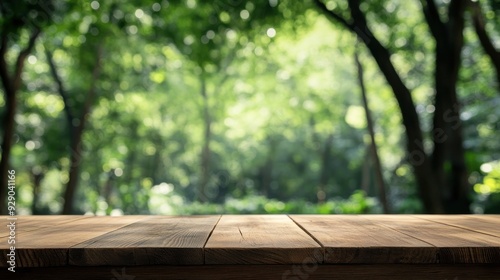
60 87
4 73
96 72
433 19
484 38
356 13
22 57
382 57
224 66
362 30
332 15
3 44
456 23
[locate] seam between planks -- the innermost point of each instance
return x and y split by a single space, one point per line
142 220
206 241
457 226
69 248
393 229
403 233
312 236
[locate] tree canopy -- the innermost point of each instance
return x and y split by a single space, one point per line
235 106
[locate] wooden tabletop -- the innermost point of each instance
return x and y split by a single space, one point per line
253 239
242 246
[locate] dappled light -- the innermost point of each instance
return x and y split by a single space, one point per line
240 107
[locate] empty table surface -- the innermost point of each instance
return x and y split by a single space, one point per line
239 242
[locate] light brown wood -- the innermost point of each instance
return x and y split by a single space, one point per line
31 223
260 239
455 244
65 235
49 245
353 239
254 240
480 223
157 240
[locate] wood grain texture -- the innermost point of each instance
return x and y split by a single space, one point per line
73 241
49 245
455 244
261 272
486 224
353 239
32 223
173 240
260 239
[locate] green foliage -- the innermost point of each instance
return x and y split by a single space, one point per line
281 87
488 189
173 204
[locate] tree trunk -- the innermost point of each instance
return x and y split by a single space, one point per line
76 126
325 169
266 175
128 178
447 134
11 85
205 150
107 188
156 160
266 170
8 124
74 169
447 130
37 180
365 173
379 178
428 188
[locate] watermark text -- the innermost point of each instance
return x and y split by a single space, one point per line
11 220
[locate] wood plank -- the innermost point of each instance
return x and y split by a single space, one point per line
491 218
262 272
484 224
49 245
456 245
31 223
254 239
352 239
174 240
260 239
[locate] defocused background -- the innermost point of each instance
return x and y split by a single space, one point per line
232 106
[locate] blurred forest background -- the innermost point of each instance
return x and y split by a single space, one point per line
264 106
